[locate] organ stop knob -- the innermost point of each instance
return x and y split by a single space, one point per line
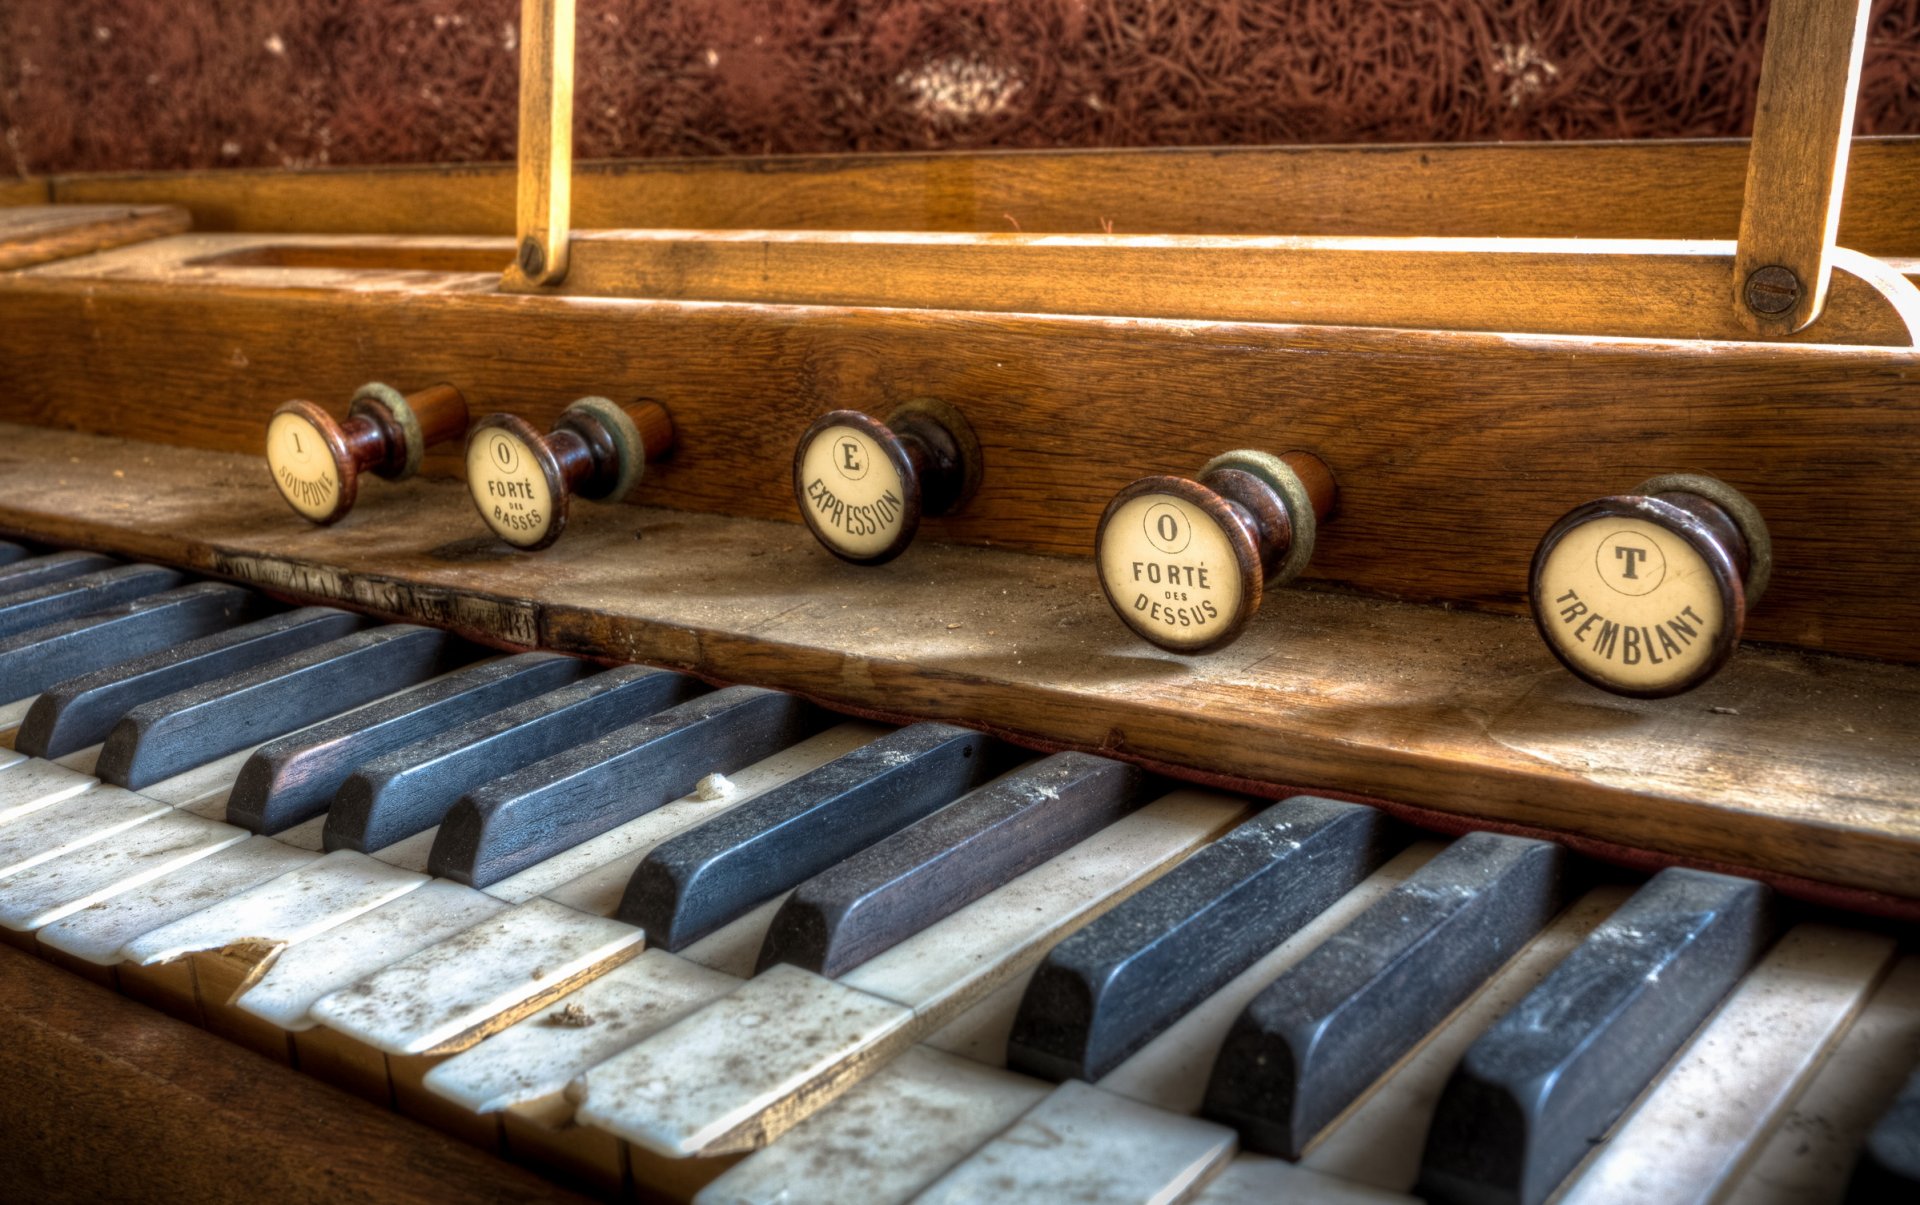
316 461
521 480
1645 594
1185 563
863 484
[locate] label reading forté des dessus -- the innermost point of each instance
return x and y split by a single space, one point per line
302 466
1170 571
507 483
852 492
1630 603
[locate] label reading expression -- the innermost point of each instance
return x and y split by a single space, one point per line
1170 571
1630 603
507 484
854 498
302 466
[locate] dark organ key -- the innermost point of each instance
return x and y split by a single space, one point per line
33 572
1107 990
180 731
83 595
1889 1169
504 827
691 884
1309 1043
411 789
292 779
11 552
37 659
1535 1091
80 712
896 887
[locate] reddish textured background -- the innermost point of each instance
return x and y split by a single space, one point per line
90 85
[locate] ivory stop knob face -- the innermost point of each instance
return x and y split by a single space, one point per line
1185 563
310 462
521 481
316 462
1646 594
862 484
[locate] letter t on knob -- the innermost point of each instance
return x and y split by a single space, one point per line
1184 563
863 484
521 480
316 462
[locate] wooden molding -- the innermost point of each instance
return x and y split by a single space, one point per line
544 197
37 234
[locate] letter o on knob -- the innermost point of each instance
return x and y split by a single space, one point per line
863 484
1646 594
521 480
316 462
1185 563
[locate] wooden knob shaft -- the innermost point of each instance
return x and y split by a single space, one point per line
1645 594
863 484
316 462
1185 563
521 480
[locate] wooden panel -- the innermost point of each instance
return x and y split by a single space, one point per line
107 1099
35 234
1589 190
31 191
1790 764
1454 453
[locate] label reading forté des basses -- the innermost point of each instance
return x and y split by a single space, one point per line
302 466
851 491
509 487
1170 571
1630 603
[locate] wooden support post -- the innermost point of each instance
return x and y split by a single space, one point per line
1797 167
544 204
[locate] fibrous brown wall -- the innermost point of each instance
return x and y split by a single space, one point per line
95 85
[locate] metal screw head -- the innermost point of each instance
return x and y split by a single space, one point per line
1772 290
533 258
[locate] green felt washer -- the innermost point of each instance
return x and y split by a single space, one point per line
627 444
1745 516
373 393
1293 493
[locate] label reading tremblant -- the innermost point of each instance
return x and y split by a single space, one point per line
506 480
1170 571
302 466
856 498
1631 603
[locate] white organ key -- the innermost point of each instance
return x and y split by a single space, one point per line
451 994
1258 1180
71 824
697 1089
1380 1140
204 789
887 1138
1708 1111
1084 1144
81 761
47 892
33 783
1807 1160
10 758
408 853
329 961
12 715
310 836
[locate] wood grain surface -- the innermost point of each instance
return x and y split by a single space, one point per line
110 1100
543 197
1651 189
1454 453
35 234
1787 764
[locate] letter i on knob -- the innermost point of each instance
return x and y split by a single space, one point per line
521 480
1645 594
863 484
1185 563
317 462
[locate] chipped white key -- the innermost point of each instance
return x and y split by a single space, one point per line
1737 1076
1812 1151
327 962
698 1088
97 933
328 891
1258 1180
887 1138
1084 1144
59 887
71 824
451 994
1379 1141
34 783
